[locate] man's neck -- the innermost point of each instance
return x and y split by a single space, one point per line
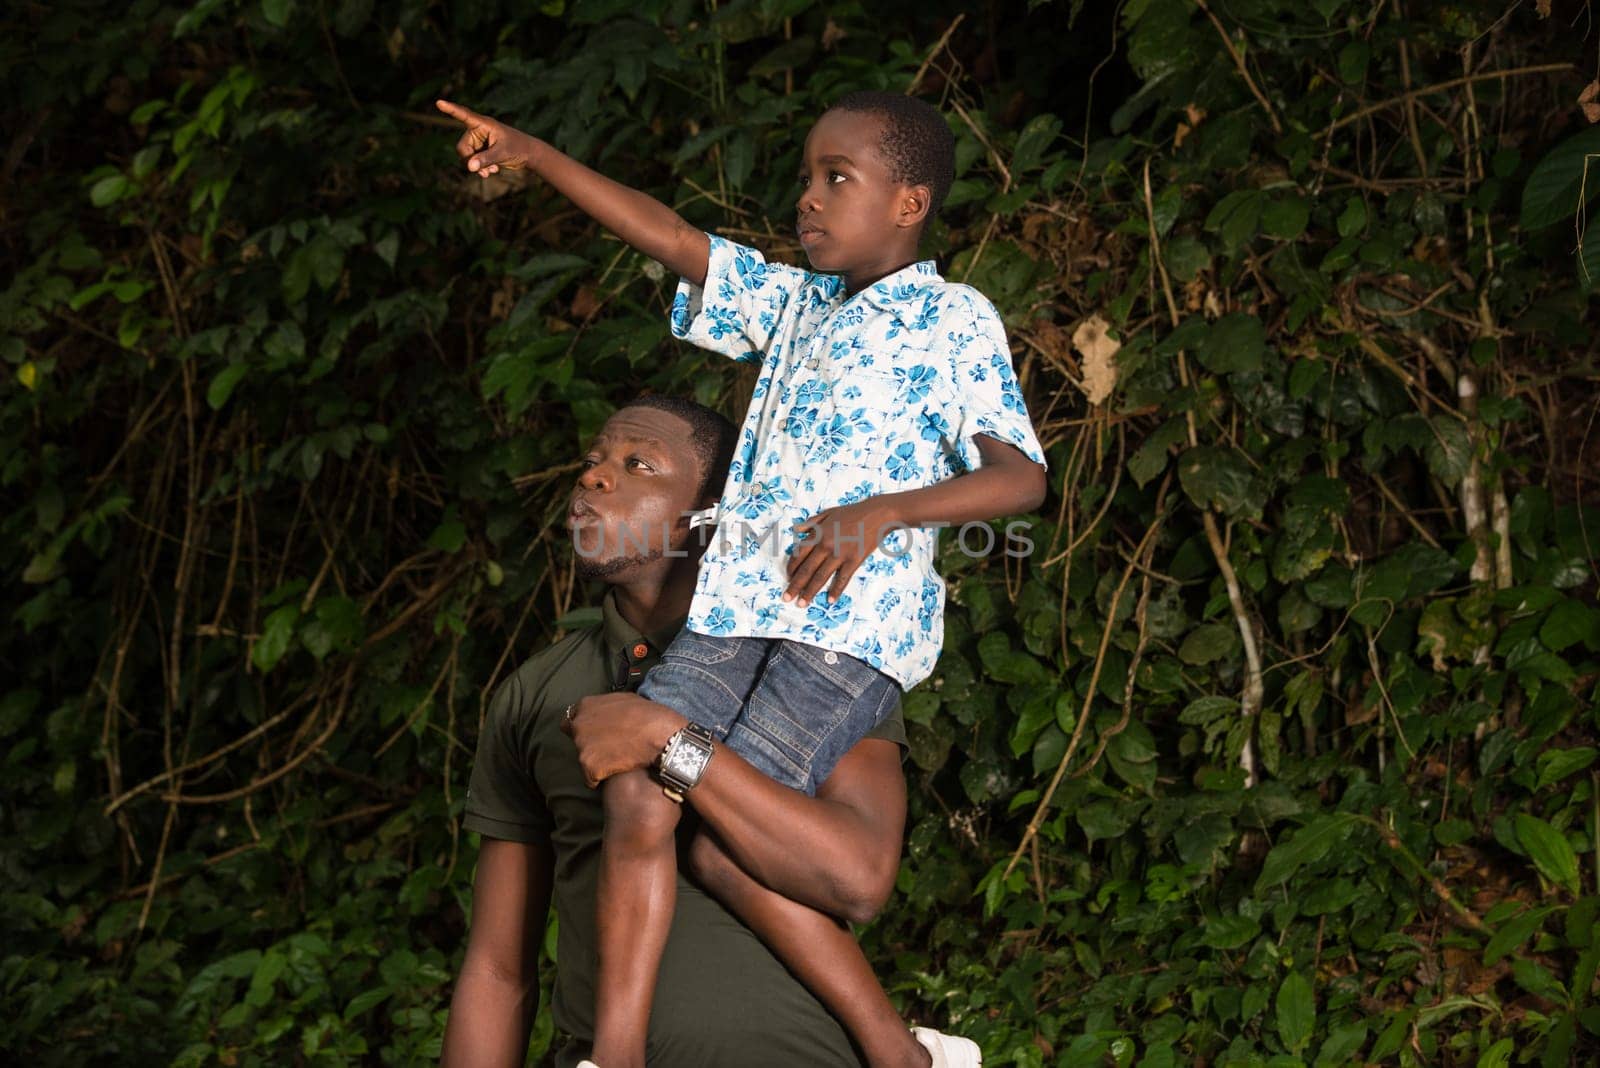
655 600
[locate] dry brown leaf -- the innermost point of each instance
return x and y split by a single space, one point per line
1589 101
1099 349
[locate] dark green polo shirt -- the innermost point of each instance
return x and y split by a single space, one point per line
722 1000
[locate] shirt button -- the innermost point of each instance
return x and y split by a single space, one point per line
640 650
830 657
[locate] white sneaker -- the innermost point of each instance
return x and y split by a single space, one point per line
947 1051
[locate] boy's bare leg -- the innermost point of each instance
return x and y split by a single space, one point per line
633 913
819 950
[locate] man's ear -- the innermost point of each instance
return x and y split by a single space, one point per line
914 204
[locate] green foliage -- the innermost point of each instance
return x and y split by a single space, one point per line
1278 747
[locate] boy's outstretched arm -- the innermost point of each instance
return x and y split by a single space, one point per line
840 539
641 221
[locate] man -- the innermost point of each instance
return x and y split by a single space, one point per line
655 461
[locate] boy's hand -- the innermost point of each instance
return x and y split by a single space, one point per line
618 732
834 543
488 146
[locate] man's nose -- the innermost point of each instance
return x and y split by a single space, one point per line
596 478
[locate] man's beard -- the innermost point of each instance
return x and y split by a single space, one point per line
590 568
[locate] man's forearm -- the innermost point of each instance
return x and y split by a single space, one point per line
639 219
837 852
490 1018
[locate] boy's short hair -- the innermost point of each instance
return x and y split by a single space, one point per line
917 142
710 432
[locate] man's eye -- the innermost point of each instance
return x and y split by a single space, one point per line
587 462
634 461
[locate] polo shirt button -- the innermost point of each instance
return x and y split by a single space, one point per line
640 650
830 657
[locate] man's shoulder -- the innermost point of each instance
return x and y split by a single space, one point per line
518 693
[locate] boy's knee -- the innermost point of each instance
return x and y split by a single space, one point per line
638 814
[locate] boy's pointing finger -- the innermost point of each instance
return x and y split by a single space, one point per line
456 111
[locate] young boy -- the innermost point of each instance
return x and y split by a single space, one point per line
886 407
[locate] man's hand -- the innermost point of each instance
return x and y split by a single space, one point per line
618 732
489 146
834 544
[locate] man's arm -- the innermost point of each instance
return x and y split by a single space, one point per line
841 539
639 220
837 852
497 992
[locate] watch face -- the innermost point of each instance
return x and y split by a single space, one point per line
688 762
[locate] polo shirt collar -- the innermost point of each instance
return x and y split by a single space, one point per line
622 636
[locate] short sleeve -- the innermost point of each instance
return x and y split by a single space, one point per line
503 800
892 729
736 312
988 399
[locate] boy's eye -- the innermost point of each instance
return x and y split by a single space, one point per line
835 177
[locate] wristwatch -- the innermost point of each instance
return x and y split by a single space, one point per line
683 760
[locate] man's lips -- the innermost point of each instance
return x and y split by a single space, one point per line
579 512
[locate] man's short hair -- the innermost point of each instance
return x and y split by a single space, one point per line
710 432
917 142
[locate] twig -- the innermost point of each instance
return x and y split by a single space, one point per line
1088 699
1254 692
1244 72
938 46
1440 87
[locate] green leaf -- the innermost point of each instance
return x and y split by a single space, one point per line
1296 1006
1551 852
1104 819
1218 477
221 387
1234 343
1208 642
451 533
1498 1055
1557 190
1229 932
1569 623
1310 844
1236 217
1558 764
276 633
276 12
1286 218
108 190
1150 459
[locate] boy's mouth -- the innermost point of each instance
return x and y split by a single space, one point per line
808 233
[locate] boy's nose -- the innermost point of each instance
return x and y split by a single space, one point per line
806 202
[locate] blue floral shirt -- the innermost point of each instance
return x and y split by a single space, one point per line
878 393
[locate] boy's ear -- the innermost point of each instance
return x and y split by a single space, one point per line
914 204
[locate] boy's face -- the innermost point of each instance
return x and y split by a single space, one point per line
855 218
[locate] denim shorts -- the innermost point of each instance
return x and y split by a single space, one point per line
792 710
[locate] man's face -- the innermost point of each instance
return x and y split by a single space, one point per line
639 477
850 204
